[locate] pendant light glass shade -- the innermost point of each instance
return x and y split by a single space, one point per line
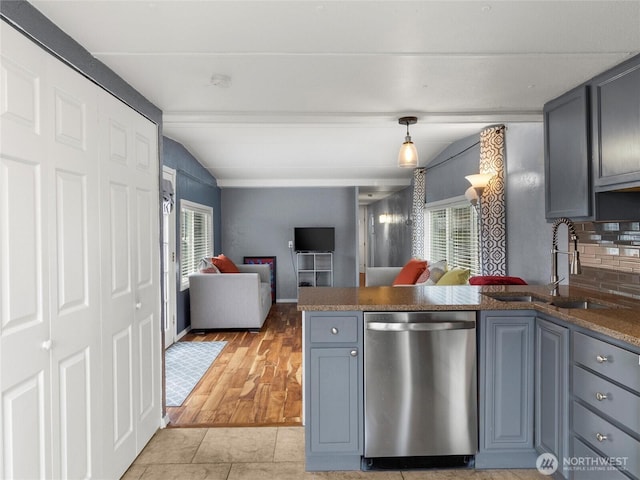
408 156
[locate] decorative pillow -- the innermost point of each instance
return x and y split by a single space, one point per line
207 266
455 276
436 271
224 264
496 280
424 276
410 272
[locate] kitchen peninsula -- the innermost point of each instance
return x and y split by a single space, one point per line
539 365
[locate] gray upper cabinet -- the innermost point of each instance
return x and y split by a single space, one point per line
567 155
592 148
616 127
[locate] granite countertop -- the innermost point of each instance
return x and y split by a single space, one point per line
620 319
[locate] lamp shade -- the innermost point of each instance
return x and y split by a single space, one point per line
479 180
408 156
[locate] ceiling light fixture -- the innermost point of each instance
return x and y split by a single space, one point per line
408 156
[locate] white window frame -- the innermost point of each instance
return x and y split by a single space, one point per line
191 263
450 256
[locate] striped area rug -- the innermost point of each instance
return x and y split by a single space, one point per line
185 364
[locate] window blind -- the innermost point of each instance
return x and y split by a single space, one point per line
196 237
451 234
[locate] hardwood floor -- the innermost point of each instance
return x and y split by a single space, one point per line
256 379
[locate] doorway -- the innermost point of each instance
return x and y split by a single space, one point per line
169 268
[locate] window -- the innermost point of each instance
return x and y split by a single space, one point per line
196 237
451 234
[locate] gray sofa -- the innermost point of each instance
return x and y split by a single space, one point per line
380 276
230 300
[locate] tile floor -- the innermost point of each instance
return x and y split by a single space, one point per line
263 453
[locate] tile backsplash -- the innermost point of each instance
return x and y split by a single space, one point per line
610 257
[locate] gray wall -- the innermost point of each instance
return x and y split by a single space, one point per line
260 221
529 234
444 177
194 183
390 243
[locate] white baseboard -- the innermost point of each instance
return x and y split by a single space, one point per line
287 300
165 421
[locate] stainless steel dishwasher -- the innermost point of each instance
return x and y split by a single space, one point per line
420 395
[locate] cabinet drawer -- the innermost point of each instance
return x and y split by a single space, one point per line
334 329
588 465
617 403
613 362
603 436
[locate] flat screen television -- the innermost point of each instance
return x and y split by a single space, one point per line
314 239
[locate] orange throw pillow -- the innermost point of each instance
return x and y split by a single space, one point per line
224 264
410 272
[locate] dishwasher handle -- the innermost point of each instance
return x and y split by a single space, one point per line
420 326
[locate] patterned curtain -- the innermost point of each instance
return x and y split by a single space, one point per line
417 214
493 215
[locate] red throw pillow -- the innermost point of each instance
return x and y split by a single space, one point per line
410 272
496 280
224 264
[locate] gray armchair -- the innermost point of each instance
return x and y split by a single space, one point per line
230 300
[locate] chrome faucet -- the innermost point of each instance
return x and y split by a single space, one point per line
575 256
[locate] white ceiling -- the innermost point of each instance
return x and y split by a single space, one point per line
317 87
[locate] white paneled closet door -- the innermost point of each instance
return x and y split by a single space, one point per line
79 272
130 275
24 268
50 283
73 253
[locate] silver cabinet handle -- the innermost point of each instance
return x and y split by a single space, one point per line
138 305
354 353
334 331
601 358
601 396
600 437
46 345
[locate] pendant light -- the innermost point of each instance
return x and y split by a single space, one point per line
408 156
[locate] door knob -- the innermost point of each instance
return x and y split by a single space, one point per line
46 345
138 305
334 331
601 396
354 353
601 358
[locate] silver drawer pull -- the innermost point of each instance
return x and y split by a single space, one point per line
601 358
601 396
600 437
354 353
334 331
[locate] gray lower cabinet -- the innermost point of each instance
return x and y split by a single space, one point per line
506 390
605 408
552 391
333 390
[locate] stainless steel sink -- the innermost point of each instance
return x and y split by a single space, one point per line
578 304
503 297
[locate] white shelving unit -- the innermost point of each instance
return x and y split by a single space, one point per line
315 269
